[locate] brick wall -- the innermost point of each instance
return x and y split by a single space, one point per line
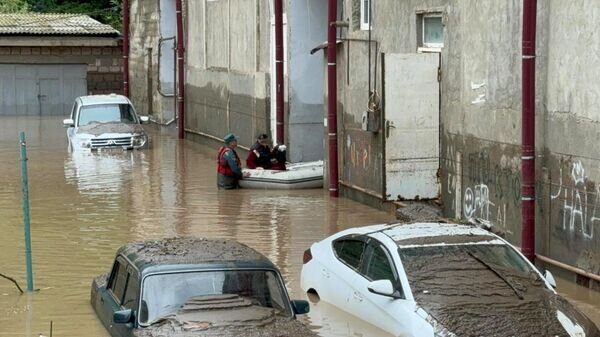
105 70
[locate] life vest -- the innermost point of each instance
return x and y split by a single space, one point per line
222 166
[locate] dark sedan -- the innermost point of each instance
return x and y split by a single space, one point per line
195 287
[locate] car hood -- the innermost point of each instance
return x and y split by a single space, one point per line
470 300
224 315
188 327
99 129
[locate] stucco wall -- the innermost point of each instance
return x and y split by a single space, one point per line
480 131
307 27
227 80
144 77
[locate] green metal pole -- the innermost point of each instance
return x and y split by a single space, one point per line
25 190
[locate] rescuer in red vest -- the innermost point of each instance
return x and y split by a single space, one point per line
229 169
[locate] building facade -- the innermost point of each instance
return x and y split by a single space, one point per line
448 123
47 60
229 69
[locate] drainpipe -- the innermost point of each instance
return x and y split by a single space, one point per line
528 131
279 101
332 99
180 71
126 48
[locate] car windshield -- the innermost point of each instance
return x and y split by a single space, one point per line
210 291
106 113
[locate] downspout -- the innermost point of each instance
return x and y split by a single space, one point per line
279 99
126 48
332 99
528 131
180 71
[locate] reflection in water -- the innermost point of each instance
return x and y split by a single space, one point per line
85 205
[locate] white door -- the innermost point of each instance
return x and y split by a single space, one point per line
412 126
387 313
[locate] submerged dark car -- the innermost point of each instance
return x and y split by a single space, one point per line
195 287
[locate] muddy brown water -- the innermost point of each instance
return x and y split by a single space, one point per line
84 206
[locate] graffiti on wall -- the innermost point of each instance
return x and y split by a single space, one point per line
490 187
579 200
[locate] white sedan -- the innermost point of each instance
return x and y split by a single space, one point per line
437 279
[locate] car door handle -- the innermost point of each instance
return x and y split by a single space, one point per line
101 299
357 296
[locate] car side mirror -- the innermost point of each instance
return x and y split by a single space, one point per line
300 307
550 278
144 119
382 287
68 123
123 316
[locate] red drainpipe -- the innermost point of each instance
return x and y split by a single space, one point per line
279 101
180 71
528 131
126 48
332 99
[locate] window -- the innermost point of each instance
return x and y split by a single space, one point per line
430 32
106 113
349 251
378 266
365 14
119 280
131 294
248 291
73 111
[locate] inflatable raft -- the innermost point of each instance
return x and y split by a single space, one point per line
297 176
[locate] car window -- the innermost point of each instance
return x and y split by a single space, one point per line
349 251
106 113
74 110
250 292
277 299
119 280
131 294
378 266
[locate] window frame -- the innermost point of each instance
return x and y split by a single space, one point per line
121 263
354 237
132 276
373 244
430 47
365 20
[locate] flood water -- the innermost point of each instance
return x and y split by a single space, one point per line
85 205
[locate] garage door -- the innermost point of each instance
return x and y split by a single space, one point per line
28 89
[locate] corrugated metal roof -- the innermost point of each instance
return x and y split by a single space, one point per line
52 24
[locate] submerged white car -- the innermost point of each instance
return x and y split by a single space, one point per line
438 279
105 121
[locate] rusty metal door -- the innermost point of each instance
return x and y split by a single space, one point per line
411 126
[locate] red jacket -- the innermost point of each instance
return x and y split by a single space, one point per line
222 166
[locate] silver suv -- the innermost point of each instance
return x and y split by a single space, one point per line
105 121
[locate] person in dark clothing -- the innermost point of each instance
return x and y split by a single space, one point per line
278 158
229 169
260 154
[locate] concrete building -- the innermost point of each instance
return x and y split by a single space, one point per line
448 74
46 60
229 72
152 59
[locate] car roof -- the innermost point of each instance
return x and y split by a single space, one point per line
103 99
438 233
192 253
